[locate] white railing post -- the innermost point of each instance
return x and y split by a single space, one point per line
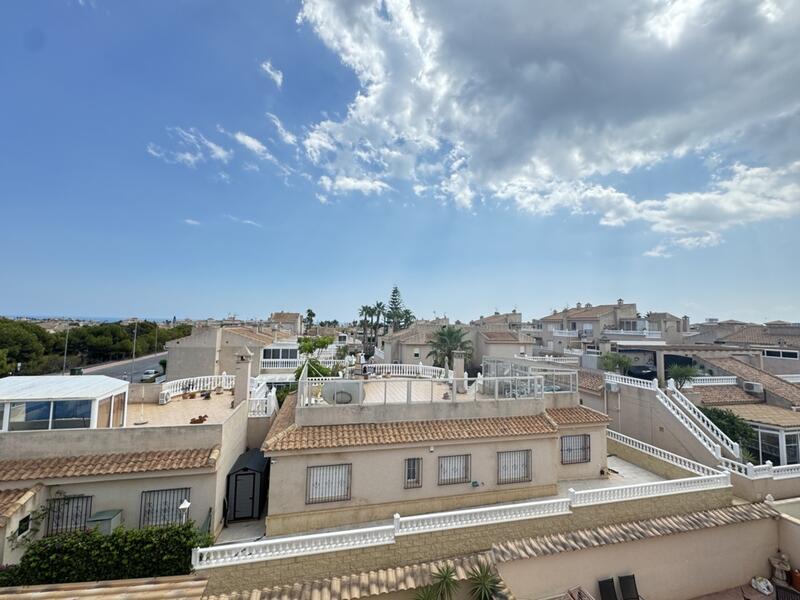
396 523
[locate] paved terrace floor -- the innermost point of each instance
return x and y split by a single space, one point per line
624 473
180 411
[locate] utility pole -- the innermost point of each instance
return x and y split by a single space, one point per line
66 343
133 360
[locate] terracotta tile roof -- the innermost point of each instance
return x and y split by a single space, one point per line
594 381
576 415
367 584
185 587
12 500
771 383
766 414
285 417
56 467
547 545
404 432
259 336
501 336
284 317
719 395
591 312
760 334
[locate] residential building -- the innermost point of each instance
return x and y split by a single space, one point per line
777 341
290 322
583 325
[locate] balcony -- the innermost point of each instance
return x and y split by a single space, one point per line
293 363
565 333
649 334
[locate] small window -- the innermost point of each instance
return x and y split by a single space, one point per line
328 483
68 513
413 473
790 354
454 469
161 507
24 525
575 449
514 466
772 353
416 352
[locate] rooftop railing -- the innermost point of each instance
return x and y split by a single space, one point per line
567 333
190 385
546 358
724 380
645 333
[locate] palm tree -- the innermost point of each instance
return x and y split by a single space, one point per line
445 341
363 312
380 311
407 318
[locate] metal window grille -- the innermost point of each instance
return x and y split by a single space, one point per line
575 449
514 466
160 507
413 473
454 469
328 483
68 513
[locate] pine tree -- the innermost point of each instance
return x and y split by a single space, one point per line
395 312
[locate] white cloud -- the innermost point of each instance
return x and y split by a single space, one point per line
254 146
243 221
192 148
275 74
323 199
286 136
509 103
191 222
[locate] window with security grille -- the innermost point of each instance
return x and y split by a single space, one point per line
454 469
68 513
413 473
328 483
514 466
575 449
162 507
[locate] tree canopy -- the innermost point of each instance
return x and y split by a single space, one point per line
445 341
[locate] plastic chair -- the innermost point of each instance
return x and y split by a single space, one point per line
607 589
627 585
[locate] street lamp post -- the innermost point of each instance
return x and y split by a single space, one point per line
66 343
184 508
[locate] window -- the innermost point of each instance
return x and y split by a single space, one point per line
328 483
770 447
68 513
72 414
416 352
413 473
24 525
791 354
160 507
514 466
104 413
575 449
26 416
454 469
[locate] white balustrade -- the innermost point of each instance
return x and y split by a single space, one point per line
563 360
631 381
719 436
285 547
652 333
690 425
293 363
264 406
786 471
661 454
792 378
195 384
726 380
406 370
483 515
648 490
568 333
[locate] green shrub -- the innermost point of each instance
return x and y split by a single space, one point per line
91 556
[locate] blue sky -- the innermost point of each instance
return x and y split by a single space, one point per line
199 159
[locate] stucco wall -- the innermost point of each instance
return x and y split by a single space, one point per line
454 542
674 567
8 554
194 355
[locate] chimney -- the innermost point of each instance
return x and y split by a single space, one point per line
458 371
685 323
578 305
588 305
620 302
241 389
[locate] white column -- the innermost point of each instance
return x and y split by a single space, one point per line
782 445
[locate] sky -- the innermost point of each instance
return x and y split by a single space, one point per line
199 159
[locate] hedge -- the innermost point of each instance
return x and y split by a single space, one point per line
91 556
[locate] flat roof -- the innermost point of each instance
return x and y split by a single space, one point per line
52 387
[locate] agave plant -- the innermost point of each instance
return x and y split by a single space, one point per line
445 582
429 592
484 583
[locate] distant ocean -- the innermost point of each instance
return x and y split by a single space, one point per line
86 318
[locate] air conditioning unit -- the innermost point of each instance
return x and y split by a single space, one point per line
164 398
612 386
753 387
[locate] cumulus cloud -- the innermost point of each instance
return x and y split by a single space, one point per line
275 74
504 103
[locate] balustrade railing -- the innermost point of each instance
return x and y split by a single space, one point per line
719 436
406 370
690 425
646 333
725 380
646 490
661 454
205 383
568 333
791 378
631 381
293 363
562 360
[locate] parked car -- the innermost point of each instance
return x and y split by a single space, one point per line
642 372
149 375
